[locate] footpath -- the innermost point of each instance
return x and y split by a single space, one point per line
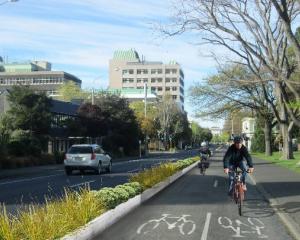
281 187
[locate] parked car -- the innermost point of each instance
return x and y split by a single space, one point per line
87 157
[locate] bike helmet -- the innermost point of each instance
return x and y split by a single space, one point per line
203 144
237 139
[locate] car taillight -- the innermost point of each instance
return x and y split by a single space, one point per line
93 157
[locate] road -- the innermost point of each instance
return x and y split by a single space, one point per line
22 190
199 208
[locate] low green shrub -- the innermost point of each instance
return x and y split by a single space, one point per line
108 197
136 186
130 190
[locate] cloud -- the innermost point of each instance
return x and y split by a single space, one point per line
80 37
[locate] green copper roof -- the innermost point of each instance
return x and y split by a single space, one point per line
19 67
129 55
173 62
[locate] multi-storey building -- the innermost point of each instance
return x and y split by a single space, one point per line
128 71
37 74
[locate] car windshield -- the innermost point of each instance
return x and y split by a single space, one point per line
76 150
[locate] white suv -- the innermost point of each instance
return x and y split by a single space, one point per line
87 156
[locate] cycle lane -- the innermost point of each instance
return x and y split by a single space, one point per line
199 208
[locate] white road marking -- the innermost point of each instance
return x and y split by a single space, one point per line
30 179
172 223
84 183
206 227
216 183
134 170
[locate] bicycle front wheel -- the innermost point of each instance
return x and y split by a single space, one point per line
240 199
240 206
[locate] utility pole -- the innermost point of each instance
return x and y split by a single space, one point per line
93 97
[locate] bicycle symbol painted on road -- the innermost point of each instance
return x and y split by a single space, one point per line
186 227
254 226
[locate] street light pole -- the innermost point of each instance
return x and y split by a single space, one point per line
145 101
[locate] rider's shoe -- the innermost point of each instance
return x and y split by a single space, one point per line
244 187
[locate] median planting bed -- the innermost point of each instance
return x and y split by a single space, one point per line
57 218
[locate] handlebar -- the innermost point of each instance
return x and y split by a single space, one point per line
238 171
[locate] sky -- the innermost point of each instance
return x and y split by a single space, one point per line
80 37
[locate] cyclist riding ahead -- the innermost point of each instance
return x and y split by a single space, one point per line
205 153
234 158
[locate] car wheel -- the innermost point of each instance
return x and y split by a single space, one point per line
99 168
109 168
68 171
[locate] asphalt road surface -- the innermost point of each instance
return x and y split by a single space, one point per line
18 192
197 207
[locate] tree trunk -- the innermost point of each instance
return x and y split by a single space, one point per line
268 138
287 151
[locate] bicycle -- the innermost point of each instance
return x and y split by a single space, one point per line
183 227
203 164
238 192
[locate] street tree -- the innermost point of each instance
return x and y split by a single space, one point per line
149 124
233 94
167 110
255 35
200 134
70 90
30 113
120 121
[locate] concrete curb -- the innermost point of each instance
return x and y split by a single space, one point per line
293 228
101 223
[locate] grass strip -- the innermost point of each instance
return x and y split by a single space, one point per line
292 164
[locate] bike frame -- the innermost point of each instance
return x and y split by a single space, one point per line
238 192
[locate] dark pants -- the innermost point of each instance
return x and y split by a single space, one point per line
242 165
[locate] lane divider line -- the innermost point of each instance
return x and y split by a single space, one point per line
206 227
216 183
30 179
79 184
134 170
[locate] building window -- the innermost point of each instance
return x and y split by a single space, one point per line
153 80
142 71
174 97
140 88
156 71
174 79
153 89
181 99
128 71
159 89
168 80
174 88
138 80
167 89
145 80
171 71
128 80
